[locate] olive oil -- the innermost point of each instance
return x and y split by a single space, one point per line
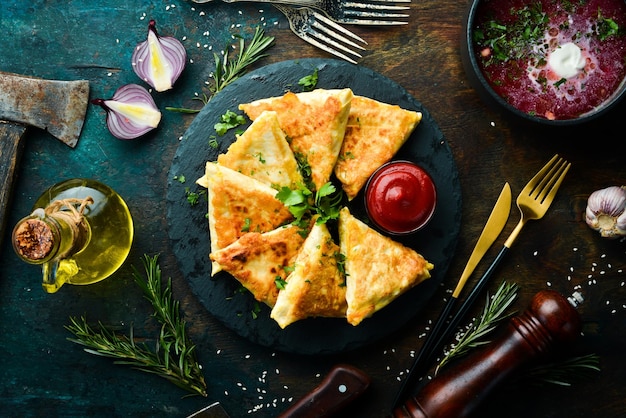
84 252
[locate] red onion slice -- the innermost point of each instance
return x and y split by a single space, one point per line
159 60
131 112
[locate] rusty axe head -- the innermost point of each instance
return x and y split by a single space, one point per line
56 106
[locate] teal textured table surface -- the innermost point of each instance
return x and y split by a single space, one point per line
44 374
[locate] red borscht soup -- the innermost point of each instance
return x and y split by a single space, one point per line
552 59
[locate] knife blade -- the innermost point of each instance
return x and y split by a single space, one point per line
496 222
215 410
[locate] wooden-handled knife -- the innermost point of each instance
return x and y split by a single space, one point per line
342 385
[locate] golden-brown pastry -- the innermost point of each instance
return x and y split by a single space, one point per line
374 133
316 287
378 269
239 204
314 122
257 260
262 152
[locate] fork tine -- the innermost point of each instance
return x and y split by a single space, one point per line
322 37
309 26
552 184
371 14
380 15
310 39
541 174
339 28
369 6
385 1
372 22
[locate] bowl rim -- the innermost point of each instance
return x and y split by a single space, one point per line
475 74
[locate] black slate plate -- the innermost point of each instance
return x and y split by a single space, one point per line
188 228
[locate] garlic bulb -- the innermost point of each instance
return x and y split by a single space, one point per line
606 211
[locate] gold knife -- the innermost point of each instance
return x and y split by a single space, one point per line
496 222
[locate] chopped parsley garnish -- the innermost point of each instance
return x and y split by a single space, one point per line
280 283
309 82
193 197
606 27
229 120
246 225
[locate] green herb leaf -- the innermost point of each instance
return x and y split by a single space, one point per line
562 373
303 204
229 120
175 356
510 42
280 283
309 82
229 70
193 197
606 27
493 312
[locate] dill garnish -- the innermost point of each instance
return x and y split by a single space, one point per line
510 41
174 357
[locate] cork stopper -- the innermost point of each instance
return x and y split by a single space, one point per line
33 239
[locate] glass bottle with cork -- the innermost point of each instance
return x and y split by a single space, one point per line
80 232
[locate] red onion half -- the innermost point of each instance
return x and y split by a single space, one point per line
159 60
131 112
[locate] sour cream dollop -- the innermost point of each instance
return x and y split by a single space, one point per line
567 60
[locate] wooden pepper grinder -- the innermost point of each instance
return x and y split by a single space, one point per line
551 319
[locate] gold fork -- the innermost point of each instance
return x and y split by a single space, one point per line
537 196
533 203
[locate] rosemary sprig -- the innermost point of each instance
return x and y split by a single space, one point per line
175 355
228 70
560 373
493 312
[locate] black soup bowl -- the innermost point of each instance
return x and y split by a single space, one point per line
551 62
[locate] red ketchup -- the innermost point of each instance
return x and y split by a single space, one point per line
400 197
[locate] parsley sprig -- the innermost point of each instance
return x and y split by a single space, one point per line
303 203
175 355
228 120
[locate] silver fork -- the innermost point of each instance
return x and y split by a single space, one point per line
319 31
362 12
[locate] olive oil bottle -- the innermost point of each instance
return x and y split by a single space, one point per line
80 232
